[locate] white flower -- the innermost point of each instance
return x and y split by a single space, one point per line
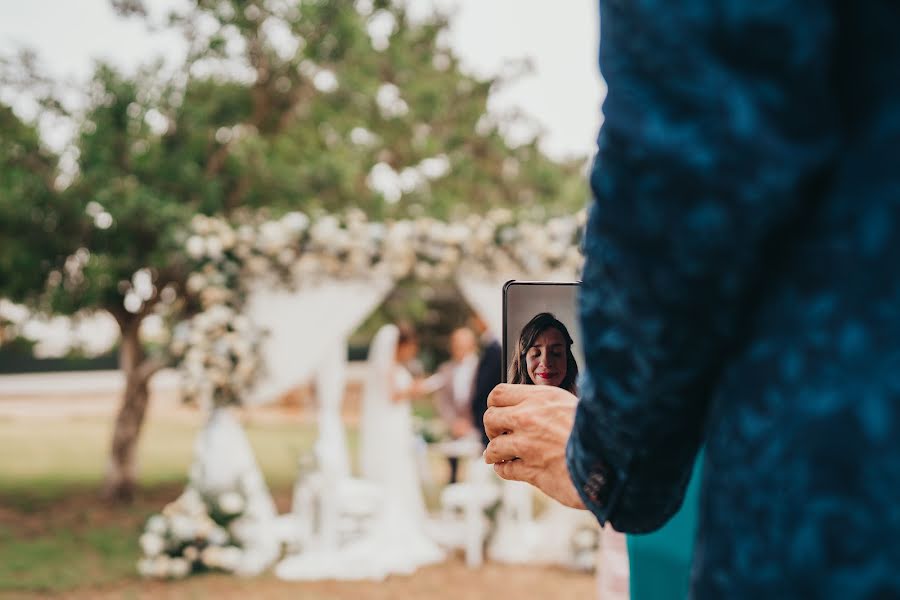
325 228
228 238
554 251
214 296
241 323
195 283
389 101
178 568
380 27
190 553
325 81
458 233
157 524
217 536
145 567
151 544
245 370
192 502
500 216
363 137
287 256
201 224
211 556
256 265
246 234
435 167
219 315
204 527
214 248
272 237
411 179
230 558
384 179
230 503
183 528
195 247
295 222
160 566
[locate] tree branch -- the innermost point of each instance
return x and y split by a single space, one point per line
151 366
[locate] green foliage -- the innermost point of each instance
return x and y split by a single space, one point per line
282 105
278 105
29 212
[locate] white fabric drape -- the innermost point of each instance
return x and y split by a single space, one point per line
485 297
224 462
305 325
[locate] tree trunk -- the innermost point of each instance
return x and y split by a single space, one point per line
121 477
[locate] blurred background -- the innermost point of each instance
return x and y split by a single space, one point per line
122 120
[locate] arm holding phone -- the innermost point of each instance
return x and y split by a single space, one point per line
688 215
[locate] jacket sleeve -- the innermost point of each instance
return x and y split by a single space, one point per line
488 376
439 385
720 127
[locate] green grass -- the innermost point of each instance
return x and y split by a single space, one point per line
55 535
45 459
66 558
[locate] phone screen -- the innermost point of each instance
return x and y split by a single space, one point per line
539 321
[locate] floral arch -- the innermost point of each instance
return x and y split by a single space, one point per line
331 273
278 300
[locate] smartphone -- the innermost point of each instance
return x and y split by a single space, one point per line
541 338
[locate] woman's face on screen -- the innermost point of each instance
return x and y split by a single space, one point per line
546 359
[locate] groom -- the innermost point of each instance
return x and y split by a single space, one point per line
454 392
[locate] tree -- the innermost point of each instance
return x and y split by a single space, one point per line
315 106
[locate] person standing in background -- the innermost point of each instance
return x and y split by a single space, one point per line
453 384
488 373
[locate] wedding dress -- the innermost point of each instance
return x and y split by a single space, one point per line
388 458
396 542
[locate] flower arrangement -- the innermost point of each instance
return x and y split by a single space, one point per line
230 257
192 534
218 349
219 355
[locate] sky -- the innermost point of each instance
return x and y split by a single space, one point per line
560 38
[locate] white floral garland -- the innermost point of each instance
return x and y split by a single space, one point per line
219 347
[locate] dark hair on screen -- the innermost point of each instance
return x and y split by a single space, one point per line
518 370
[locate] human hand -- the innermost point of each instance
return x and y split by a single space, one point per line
418 388
460 428
529 426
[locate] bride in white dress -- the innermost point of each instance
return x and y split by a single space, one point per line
388 454
396 542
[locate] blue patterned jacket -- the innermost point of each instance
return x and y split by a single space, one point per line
742 290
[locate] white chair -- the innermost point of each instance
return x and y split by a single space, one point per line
328 511
463 507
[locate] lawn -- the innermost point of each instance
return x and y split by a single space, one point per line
56 535
58 540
